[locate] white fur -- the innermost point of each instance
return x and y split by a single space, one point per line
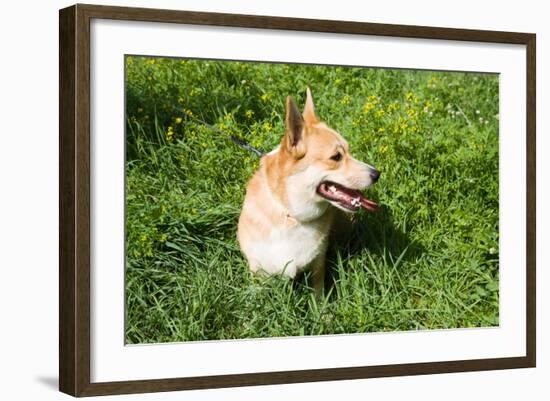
303 202
289 250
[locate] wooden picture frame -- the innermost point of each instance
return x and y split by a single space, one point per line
74 200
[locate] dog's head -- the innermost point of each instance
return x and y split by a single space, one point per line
320 169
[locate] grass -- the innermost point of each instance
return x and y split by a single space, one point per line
427 260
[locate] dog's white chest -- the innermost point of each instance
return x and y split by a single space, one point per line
290 249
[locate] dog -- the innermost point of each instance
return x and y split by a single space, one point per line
293 199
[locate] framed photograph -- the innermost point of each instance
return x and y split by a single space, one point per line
249 200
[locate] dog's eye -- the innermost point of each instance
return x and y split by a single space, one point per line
337 157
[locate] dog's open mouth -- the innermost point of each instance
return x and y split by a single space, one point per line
350 199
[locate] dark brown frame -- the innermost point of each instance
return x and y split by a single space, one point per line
74 199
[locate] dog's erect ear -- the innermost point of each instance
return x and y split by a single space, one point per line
309 109
294 131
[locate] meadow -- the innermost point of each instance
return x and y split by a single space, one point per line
427 260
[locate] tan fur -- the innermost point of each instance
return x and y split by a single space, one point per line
284 224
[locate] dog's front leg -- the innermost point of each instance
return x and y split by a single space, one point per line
318 272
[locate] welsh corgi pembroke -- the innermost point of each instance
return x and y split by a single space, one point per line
294 198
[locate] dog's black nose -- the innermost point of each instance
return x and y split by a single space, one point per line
375 175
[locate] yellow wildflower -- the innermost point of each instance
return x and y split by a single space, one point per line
178 120
393 107
170 134
372 99
368 107
427 106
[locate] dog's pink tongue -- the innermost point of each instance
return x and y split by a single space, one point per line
350 198
368 204
349 195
